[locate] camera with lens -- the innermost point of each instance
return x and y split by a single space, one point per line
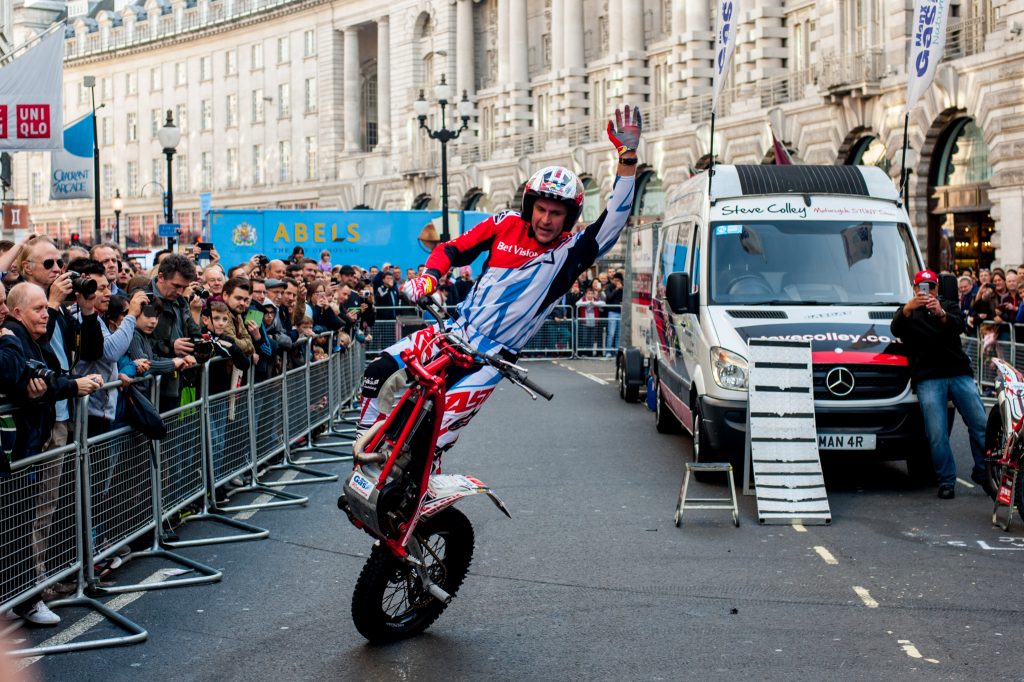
86 286
39 370
201 293
202 346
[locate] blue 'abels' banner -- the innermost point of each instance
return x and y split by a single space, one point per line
361 238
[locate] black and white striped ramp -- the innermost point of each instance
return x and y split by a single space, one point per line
783 439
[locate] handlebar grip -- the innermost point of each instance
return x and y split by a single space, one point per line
537 389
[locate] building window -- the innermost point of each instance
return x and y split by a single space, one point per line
107 131
156 79
284 100
205 68
108 88
310 97
284 161
207 114
207 171
257 105
232 168
133 127
83 94
370 114
155 121
258 176
309 43
231 62
132 181
231 111
311 169
108 180
257 56
158 172
283 50
37 187
181 118
180 73
131 85
181 172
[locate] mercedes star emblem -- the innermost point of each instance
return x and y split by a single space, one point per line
839 382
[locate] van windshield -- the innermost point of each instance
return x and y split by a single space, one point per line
809 263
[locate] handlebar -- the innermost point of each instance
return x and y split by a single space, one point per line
509 370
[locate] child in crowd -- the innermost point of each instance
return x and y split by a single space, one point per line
223 376
325 261
589 312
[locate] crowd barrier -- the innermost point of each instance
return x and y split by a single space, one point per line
993 341
103 496
564 334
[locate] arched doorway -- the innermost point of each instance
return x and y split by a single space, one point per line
960 224
869 151
423 202
477 200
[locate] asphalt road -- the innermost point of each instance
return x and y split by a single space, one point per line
591 580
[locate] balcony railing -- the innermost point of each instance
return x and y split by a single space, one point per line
966 37
844 72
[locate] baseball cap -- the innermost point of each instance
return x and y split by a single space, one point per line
926 276
274 284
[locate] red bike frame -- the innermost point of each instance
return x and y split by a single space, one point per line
431 377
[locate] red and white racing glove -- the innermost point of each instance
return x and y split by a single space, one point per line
625 133
418 287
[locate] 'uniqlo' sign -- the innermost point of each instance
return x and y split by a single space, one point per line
33 121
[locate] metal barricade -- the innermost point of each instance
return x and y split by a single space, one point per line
994 341
121 492
597 337
318 395
384 332
556 336
41 542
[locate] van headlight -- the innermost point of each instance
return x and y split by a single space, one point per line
730 369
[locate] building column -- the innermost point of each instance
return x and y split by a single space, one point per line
515 103
572 102
503 41
678 18
614 27
694 57
383 84
768 43
518 56
352 103
465 76
1008 238
558 18
633 75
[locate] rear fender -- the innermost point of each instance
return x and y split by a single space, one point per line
445 490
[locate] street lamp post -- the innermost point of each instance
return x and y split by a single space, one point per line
443 134
90 82
169 136
118 206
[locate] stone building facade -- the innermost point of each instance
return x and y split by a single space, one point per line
308 103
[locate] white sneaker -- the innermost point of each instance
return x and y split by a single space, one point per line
40 614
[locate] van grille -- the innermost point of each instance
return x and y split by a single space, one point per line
882 314
757 314
871 382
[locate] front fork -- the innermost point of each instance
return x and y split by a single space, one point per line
414 558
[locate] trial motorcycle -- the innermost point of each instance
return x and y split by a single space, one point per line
1004 443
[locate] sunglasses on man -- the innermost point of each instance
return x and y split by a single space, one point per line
49 262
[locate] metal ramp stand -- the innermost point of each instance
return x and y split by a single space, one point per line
684 503
1006 497
782 441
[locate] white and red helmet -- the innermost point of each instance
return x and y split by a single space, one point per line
560 184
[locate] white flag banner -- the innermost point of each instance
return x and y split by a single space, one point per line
31 97
726 18
71 168
927 45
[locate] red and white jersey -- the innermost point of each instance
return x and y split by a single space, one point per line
524 279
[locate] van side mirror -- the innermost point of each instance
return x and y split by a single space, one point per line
677 292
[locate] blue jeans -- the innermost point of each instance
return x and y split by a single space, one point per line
612 341
933 395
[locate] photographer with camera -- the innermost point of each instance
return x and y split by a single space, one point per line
939 372
33 379
178 324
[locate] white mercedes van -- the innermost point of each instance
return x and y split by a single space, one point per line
818 253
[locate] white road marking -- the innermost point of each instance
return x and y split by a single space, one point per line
964 483
799 528
910 650
90 621
865 597
582 373
826 556
248 513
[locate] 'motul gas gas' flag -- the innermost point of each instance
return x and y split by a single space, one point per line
727 16
31 99
927 44
71 168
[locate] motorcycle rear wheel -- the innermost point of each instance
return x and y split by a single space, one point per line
994 469
389 602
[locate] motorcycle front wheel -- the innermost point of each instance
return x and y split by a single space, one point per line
994 468
389 602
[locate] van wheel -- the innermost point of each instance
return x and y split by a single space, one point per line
620 375
631 375
664 420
